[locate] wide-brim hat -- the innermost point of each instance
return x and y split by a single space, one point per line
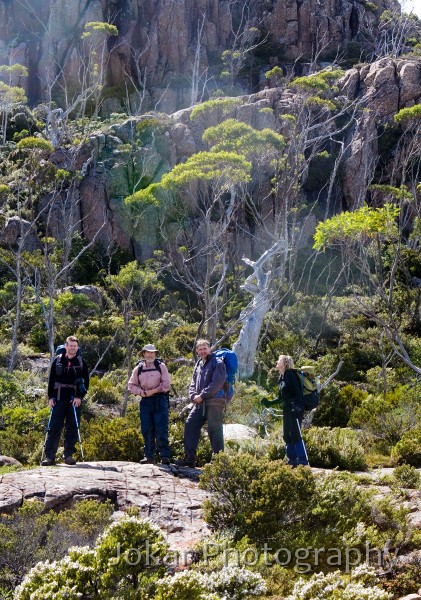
149 348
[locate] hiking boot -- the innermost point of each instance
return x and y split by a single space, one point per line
48 462
189 460
147 461
69 460
165 461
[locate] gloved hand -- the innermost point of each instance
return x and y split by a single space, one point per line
296 411
265 402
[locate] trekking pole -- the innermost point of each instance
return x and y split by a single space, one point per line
46 435
302 440
78 431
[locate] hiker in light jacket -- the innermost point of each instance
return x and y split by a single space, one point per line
207 382
150 380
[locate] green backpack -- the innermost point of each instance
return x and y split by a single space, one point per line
310 387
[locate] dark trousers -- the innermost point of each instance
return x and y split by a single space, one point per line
154 425
198 416
294 443
63 413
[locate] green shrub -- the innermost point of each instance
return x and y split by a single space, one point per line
10 390
245 405
330 448
294 509
125 563
253 496
408 449
25 448
407 476
35 143
179 342
116 439
103 391
116 567
388 418
46 536
337 404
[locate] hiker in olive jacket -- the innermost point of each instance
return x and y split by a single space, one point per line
291 400
207 382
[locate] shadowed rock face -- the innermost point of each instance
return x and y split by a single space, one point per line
158 39
175 504
128 151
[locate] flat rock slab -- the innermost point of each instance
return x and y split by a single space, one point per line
173 503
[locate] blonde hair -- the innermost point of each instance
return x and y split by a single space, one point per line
288 361
72 338
203 343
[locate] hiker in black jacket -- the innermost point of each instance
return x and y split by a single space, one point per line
68 383
291 399
208 380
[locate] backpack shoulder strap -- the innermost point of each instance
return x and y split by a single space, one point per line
140 366
300 376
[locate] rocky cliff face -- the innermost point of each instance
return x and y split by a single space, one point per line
160 41
126 152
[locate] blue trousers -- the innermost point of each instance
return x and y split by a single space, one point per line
200 414
154 425
63 413
294 443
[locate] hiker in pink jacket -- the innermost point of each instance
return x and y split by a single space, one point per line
150 380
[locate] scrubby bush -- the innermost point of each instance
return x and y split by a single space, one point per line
388 418
10 390
407 476
179 342
109 570
116 439
245 405
252 496
232 583
103 391
294 509
404 578
46 535
24 448
126 562
330 448
408 449
22 431
360 584
337 404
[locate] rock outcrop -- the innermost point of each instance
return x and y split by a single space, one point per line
8 461
174 503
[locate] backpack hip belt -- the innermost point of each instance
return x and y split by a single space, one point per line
58 386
